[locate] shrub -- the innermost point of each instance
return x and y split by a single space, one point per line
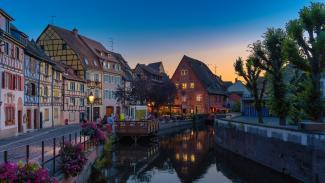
93 132
21 173
73 159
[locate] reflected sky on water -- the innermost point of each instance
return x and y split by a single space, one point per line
187 156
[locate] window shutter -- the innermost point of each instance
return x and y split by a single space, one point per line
22 83
21 54
14 82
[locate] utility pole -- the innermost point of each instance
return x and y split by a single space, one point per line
111 43
214 66
52 17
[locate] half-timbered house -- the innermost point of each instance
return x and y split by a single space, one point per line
74 95
31 74
57 99
12 43
69 48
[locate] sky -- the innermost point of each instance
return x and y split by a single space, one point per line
144 31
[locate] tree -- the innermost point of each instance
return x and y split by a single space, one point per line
254 81
269 57
305 48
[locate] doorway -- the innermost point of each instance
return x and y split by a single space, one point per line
96 113
35 119
29 118
109 110
41 120
20 122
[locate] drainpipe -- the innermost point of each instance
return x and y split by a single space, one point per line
52 85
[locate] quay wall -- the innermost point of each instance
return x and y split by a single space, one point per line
298 154
167 126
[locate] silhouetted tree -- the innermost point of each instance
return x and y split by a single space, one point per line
269 57
255 83
305 48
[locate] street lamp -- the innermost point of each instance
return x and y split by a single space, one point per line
91 99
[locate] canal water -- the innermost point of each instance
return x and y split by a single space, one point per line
188 155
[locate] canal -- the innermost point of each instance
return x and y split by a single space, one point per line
189 155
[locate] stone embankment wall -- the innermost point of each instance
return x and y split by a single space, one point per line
292 152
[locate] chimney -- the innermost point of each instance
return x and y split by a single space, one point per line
75 31
236 79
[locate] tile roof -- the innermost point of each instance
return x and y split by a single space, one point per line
75 42
211 82
34 50
155 65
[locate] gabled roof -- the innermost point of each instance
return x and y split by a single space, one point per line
75 42
156 66
34 50
4 13
212 83
96 47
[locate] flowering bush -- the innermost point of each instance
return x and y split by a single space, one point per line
21 173
95 133
73 159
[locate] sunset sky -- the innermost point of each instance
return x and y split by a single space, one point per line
145 31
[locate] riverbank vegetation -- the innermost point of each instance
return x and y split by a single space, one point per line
299 51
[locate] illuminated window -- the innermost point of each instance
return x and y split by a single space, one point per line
192 85
184 86
184 72
176 85
183 98
199 98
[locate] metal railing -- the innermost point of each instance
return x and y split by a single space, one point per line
45 152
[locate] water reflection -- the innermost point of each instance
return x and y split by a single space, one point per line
188 156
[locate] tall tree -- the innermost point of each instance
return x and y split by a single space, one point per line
269 57
252 74
305 48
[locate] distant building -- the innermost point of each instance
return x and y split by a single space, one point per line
152 72
12 43
198 89
236 92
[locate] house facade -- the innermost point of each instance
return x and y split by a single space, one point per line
31 94
199 91
12 43
57 99
74 97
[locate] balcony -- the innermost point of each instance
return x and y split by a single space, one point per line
94 84
31 100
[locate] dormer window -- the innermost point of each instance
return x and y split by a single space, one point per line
184 72
86 61
7 25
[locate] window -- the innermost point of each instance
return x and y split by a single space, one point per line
184 72
86 61
82 88
7 48
7 26
95 62
46 115
183 98
64 46
9 115
198 97
72 86
106 94
33 89
176 85
106 78
72 101
72 116
82 102
45 91
17 52
96 77
192 85
184 86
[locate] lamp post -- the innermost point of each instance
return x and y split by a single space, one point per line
91 99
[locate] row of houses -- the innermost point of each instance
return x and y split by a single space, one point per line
45 83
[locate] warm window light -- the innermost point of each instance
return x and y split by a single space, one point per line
199 98
192 85
184 85
176 85
91 98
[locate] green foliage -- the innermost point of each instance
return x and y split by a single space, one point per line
305 47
